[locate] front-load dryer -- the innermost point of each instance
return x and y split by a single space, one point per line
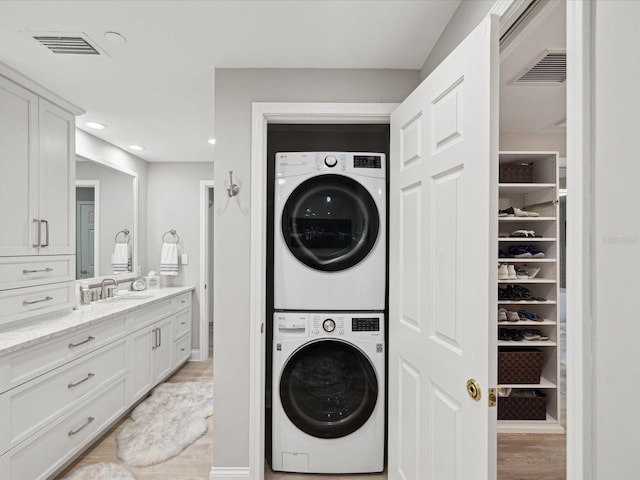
330 231
328 392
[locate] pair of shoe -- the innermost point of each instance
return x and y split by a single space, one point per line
522 251
524 315
531 335
505 315
516 212
523 233
509 334
516 292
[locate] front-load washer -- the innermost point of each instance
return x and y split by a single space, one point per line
330 231
328 392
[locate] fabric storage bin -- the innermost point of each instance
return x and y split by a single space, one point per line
516 173
523 405
523 365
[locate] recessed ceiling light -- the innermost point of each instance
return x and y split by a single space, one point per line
137 148
212 141
114 37
96 125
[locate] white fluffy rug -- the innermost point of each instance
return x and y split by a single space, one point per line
167 422
101 471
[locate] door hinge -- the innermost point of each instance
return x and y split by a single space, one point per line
493 396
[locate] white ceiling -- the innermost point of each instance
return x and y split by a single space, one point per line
157 89
531 108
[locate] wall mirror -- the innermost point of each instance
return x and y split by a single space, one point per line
106 219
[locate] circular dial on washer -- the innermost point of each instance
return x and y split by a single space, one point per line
329 325
330 161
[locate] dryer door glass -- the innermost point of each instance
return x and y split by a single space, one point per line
328 389
330 222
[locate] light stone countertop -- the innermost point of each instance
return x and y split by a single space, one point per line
19 336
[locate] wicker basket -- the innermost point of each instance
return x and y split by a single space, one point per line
519 366
516 173
530 407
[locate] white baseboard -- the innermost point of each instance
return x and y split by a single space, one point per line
229 473
195 355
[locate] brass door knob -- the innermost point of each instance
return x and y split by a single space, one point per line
473 389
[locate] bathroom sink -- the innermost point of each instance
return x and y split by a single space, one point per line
126 296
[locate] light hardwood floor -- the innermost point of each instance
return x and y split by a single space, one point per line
520 457
194 463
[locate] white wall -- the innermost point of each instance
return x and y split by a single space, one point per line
616 240
174 203
468 15
235 92
93 147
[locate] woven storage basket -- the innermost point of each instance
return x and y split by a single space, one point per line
516 173
532 407
519 366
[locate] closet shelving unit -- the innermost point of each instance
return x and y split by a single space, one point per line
540 196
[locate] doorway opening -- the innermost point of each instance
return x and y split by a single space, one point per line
87 208
205 346
533 117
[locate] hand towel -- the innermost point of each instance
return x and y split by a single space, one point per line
169 259
120 259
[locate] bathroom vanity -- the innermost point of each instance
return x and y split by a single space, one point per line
64 381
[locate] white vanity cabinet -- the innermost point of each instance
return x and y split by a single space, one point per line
62 392
37 197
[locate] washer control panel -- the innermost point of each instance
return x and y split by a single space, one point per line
369 324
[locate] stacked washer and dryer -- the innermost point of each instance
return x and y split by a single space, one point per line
329 298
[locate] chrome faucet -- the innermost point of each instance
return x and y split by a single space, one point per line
104 283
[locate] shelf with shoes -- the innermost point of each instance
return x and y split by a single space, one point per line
528 275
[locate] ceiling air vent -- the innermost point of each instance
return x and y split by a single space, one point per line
551 67
68 44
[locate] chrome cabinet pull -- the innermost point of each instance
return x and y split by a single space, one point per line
79 429
46 270
36 245
46 244
46 299
89 375
71 345
159 337
154 332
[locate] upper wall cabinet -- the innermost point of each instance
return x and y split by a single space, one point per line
37 188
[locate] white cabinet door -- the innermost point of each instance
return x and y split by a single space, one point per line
443 197
57 180
19 167
141 355
163 347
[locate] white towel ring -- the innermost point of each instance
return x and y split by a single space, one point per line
176 237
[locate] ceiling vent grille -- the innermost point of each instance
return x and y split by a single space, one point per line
67 45
550 68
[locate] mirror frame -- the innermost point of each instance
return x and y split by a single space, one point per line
136 233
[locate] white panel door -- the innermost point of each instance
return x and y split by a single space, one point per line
57 180
443 200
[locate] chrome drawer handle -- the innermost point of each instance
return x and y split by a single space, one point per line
90 375
46 270
183 323
73 432
46 223
71 345
25 303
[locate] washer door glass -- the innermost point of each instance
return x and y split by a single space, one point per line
330 222
328 389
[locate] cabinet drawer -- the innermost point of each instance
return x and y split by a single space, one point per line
22 410
181 350
44 453
181 302
18 272
19 304
181 323
144 316
29 363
